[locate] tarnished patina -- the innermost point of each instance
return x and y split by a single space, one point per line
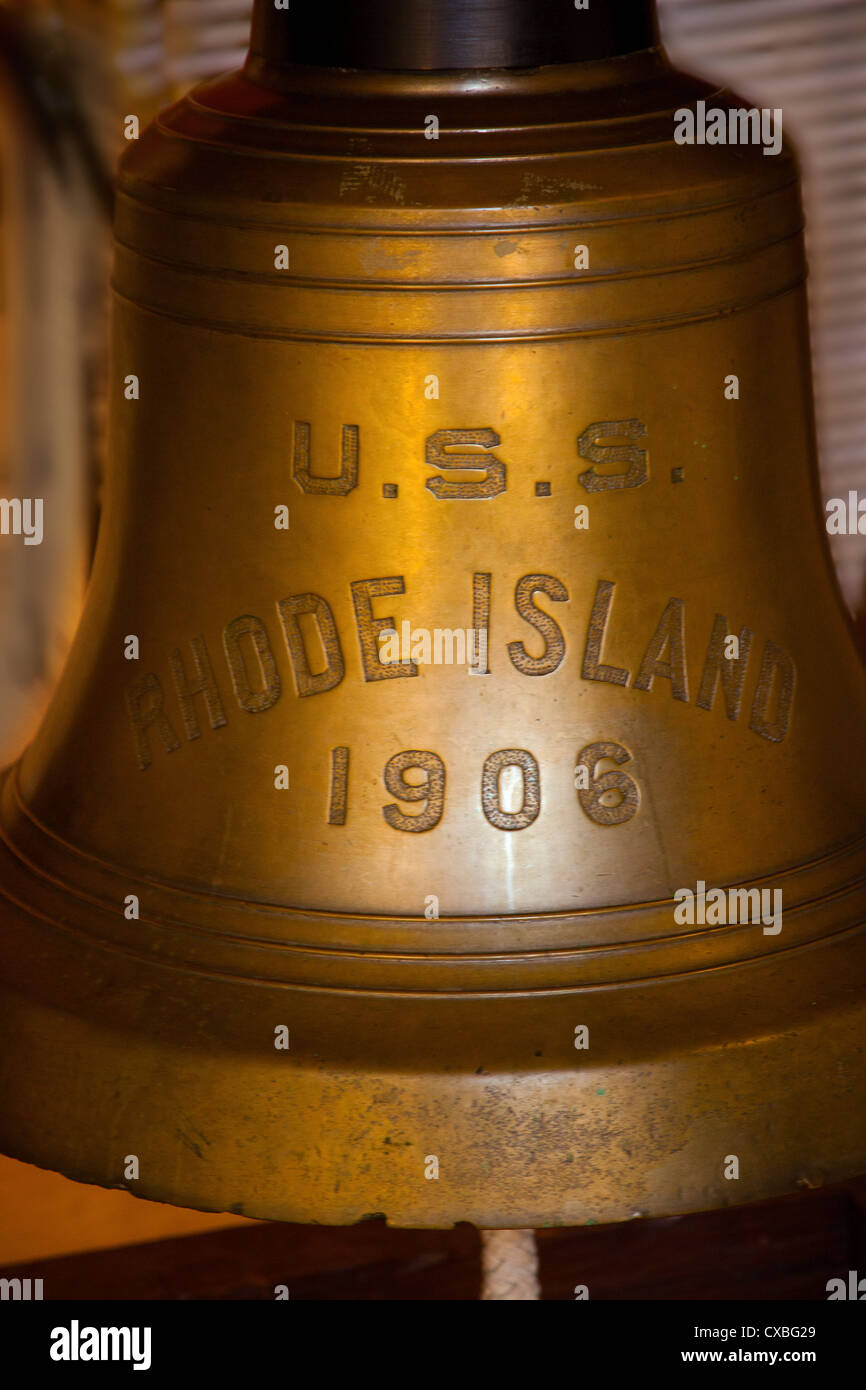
317 925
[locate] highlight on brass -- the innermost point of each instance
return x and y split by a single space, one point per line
434 772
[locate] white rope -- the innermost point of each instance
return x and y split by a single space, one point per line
509 1263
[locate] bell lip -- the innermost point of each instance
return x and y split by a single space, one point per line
138 1054
333 1142
809 1178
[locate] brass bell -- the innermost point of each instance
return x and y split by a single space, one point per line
453 805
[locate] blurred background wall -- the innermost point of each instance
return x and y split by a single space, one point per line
809 58
96 61
71 71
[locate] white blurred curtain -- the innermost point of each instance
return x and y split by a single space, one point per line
204 37
118 58
809 58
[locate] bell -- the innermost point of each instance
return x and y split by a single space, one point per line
453 805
